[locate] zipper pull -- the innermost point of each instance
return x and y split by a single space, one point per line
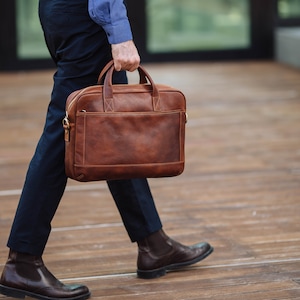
66 125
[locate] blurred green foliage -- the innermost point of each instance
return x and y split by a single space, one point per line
176 25
289 8
30 39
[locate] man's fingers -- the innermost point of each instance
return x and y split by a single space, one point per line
125 65
118 66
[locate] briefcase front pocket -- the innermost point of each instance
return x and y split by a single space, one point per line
128 145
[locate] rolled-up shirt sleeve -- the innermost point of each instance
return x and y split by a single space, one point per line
111 15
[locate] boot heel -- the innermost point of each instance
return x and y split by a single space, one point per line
11 292
151 274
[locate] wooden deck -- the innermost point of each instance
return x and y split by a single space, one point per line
240 190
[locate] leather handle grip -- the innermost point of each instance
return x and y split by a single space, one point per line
110 64
104 70
108 87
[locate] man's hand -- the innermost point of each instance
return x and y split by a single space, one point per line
125 56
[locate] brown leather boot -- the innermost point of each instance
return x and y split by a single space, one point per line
158 254
26 275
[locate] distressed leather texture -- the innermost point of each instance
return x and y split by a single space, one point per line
124 131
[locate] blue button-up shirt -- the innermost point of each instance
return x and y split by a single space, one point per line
111 15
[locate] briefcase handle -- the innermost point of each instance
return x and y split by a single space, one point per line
108 87
143 79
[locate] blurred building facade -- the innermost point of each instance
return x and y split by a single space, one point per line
166 30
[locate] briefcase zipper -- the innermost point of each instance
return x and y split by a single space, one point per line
66 123
75 98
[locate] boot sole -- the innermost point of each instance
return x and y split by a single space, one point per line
150 274
21 294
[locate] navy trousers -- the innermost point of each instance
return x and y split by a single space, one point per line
80 50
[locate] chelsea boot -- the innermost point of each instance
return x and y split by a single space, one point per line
26 275
158 254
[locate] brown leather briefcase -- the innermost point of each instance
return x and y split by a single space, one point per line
124 131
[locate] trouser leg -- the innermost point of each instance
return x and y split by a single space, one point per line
45 181
136 206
